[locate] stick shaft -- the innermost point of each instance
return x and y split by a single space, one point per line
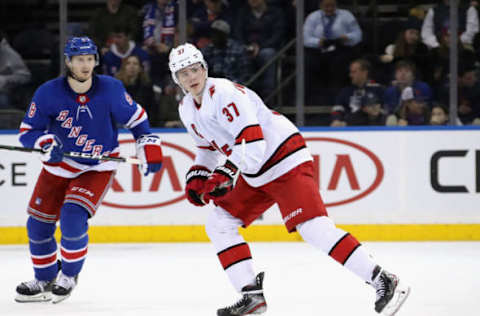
72 154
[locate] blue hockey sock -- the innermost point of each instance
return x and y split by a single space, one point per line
43 249
74 226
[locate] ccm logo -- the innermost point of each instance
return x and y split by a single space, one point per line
130 190
345 171
447 155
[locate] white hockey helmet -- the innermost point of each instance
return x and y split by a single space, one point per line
183 56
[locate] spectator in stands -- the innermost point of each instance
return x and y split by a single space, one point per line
440 59
122 47
404 77
137 83
414 109
159 24
370 113
330 37
407 46
468 94
13 71
225 56
262 28
350 97
437 19
203 18
168 112
439 115
105 19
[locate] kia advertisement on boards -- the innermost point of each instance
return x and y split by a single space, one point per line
363 176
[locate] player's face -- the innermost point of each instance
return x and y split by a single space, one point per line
192 78
82 66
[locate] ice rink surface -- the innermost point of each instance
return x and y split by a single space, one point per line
185 279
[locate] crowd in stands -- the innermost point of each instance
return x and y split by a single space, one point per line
406 83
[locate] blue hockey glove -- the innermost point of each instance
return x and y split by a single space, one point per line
51 147
149 152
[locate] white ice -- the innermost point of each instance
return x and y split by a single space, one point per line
185 279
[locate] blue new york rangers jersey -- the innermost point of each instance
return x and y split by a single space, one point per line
85 123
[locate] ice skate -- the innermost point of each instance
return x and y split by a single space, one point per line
34 291
391 293
63 287
252 302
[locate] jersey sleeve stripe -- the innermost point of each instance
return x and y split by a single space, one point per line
138 117
24 128
211 148
250 133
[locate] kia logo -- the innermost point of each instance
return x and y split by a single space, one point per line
345 171
129 184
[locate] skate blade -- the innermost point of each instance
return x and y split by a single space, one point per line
59 298
41 297
401 294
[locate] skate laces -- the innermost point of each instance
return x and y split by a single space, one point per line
65 281
381 284
35 284
239 303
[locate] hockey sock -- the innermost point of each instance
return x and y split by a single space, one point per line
43 249
232 250
74 226
322 233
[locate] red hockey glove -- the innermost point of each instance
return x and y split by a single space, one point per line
150 153
196 178
51 147
221 181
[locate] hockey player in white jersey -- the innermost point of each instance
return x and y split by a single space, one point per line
248 158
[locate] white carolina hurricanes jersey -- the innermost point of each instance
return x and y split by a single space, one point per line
229 113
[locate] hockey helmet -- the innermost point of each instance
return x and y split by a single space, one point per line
80 46
183 56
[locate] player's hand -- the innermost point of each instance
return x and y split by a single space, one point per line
51 147
195 179
149 152
221 181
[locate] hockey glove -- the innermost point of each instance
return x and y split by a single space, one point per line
221 181
149 152
196 178
51 147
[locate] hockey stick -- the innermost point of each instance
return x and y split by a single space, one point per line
72 154
242 161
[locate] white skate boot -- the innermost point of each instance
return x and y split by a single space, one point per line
63 287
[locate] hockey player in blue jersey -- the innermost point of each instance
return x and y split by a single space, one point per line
80 113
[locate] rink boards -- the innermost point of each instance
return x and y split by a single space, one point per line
379 184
